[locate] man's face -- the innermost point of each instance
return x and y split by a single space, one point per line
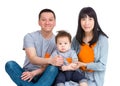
47 21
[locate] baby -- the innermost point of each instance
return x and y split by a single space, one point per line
67 72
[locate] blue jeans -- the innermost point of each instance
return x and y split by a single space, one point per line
15 72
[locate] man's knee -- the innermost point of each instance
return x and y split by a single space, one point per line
52 68
9 65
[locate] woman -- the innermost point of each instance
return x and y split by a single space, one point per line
91 45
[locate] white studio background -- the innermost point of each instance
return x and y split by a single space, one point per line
18 17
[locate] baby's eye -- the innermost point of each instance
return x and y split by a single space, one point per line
60 43
65 43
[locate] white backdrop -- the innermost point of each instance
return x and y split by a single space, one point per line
18 17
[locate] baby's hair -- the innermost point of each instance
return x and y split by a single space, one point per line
62 33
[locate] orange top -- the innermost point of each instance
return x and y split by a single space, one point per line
86 55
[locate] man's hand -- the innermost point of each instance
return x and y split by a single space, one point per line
27 76
56 61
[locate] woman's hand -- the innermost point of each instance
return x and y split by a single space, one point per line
80 64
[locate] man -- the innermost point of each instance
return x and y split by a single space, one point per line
38 46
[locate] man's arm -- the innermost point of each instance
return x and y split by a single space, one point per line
34 59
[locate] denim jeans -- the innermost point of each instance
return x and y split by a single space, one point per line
15 72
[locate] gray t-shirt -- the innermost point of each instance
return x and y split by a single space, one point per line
69 54
42 46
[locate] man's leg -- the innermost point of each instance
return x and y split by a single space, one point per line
15 72
48 76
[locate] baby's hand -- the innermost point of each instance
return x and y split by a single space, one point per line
73 65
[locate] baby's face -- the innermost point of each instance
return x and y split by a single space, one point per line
63 44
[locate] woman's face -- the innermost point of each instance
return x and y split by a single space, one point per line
87 24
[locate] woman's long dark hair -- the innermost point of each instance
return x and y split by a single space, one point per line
88 11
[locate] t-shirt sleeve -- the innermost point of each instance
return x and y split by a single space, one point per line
28 41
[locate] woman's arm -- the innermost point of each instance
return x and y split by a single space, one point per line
101 54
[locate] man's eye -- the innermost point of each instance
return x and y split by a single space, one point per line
50 19
43 19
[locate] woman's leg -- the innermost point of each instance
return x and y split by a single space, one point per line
15 72
48 76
